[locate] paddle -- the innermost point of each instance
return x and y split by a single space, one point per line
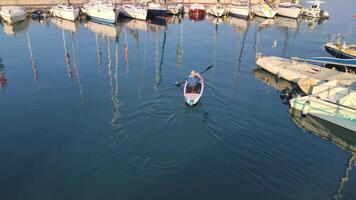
180 82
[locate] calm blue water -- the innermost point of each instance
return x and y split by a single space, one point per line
90 111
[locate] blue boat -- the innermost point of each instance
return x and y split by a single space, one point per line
341 51
330 60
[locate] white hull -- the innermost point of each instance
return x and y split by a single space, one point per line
239 11
13 14
264 11
105 15
292 12
132 12
71 15
217 10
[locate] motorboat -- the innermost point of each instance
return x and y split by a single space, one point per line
239 9
197 9
101 11
288 9
13 14
331 101
39 14
315 11
265 11
65 11
134 11
218 10
175 9
157 10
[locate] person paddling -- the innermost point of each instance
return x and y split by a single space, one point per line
194 80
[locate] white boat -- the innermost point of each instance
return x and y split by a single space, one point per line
239 8
101 11
134 11
175 9
65 11
288 9
192 97
330 101
13 14
216 10
315 11
264 10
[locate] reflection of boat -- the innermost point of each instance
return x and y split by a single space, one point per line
264 10
239 8
103 29
174 19
341 50
13 14
102 11
12 29
271 79
196 17
288 9
217 10
215 20
240 25
196 9
312 22
342 137
134 11
65 11
134 24
285 22
3 79
263 22
157 24
330 101
65 24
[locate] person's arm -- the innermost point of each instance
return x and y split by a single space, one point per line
200 77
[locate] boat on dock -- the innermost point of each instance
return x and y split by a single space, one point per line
294 70
288 9
330 101
65 11
134 11
240 9
13 14
217 10
339 50
101 11
265 11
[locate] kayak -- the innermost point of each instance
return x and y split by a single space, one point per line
192 95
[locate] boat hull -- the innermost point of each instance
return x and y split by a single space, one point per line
68 15
157 12
337 53
193 97
264 11
291 12
11 18
325 110
106 16
141 15
239 12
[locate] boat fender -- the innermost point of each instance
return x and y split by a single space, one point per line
306 106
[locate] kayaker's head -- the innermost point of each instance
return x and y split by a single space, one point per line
193 73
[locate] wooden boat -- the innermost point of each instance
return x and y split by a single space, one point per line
197 9
192 96
341 50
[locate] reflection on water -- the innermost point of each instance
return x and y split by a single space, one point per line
129 132
11 29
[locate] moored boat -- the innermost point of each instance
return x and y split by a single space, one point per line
265 11
330 101
65 11
197 9
175 9
239 9
341 50
101 11
134 11
13 14
288 9
218 10
157 10
315 11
